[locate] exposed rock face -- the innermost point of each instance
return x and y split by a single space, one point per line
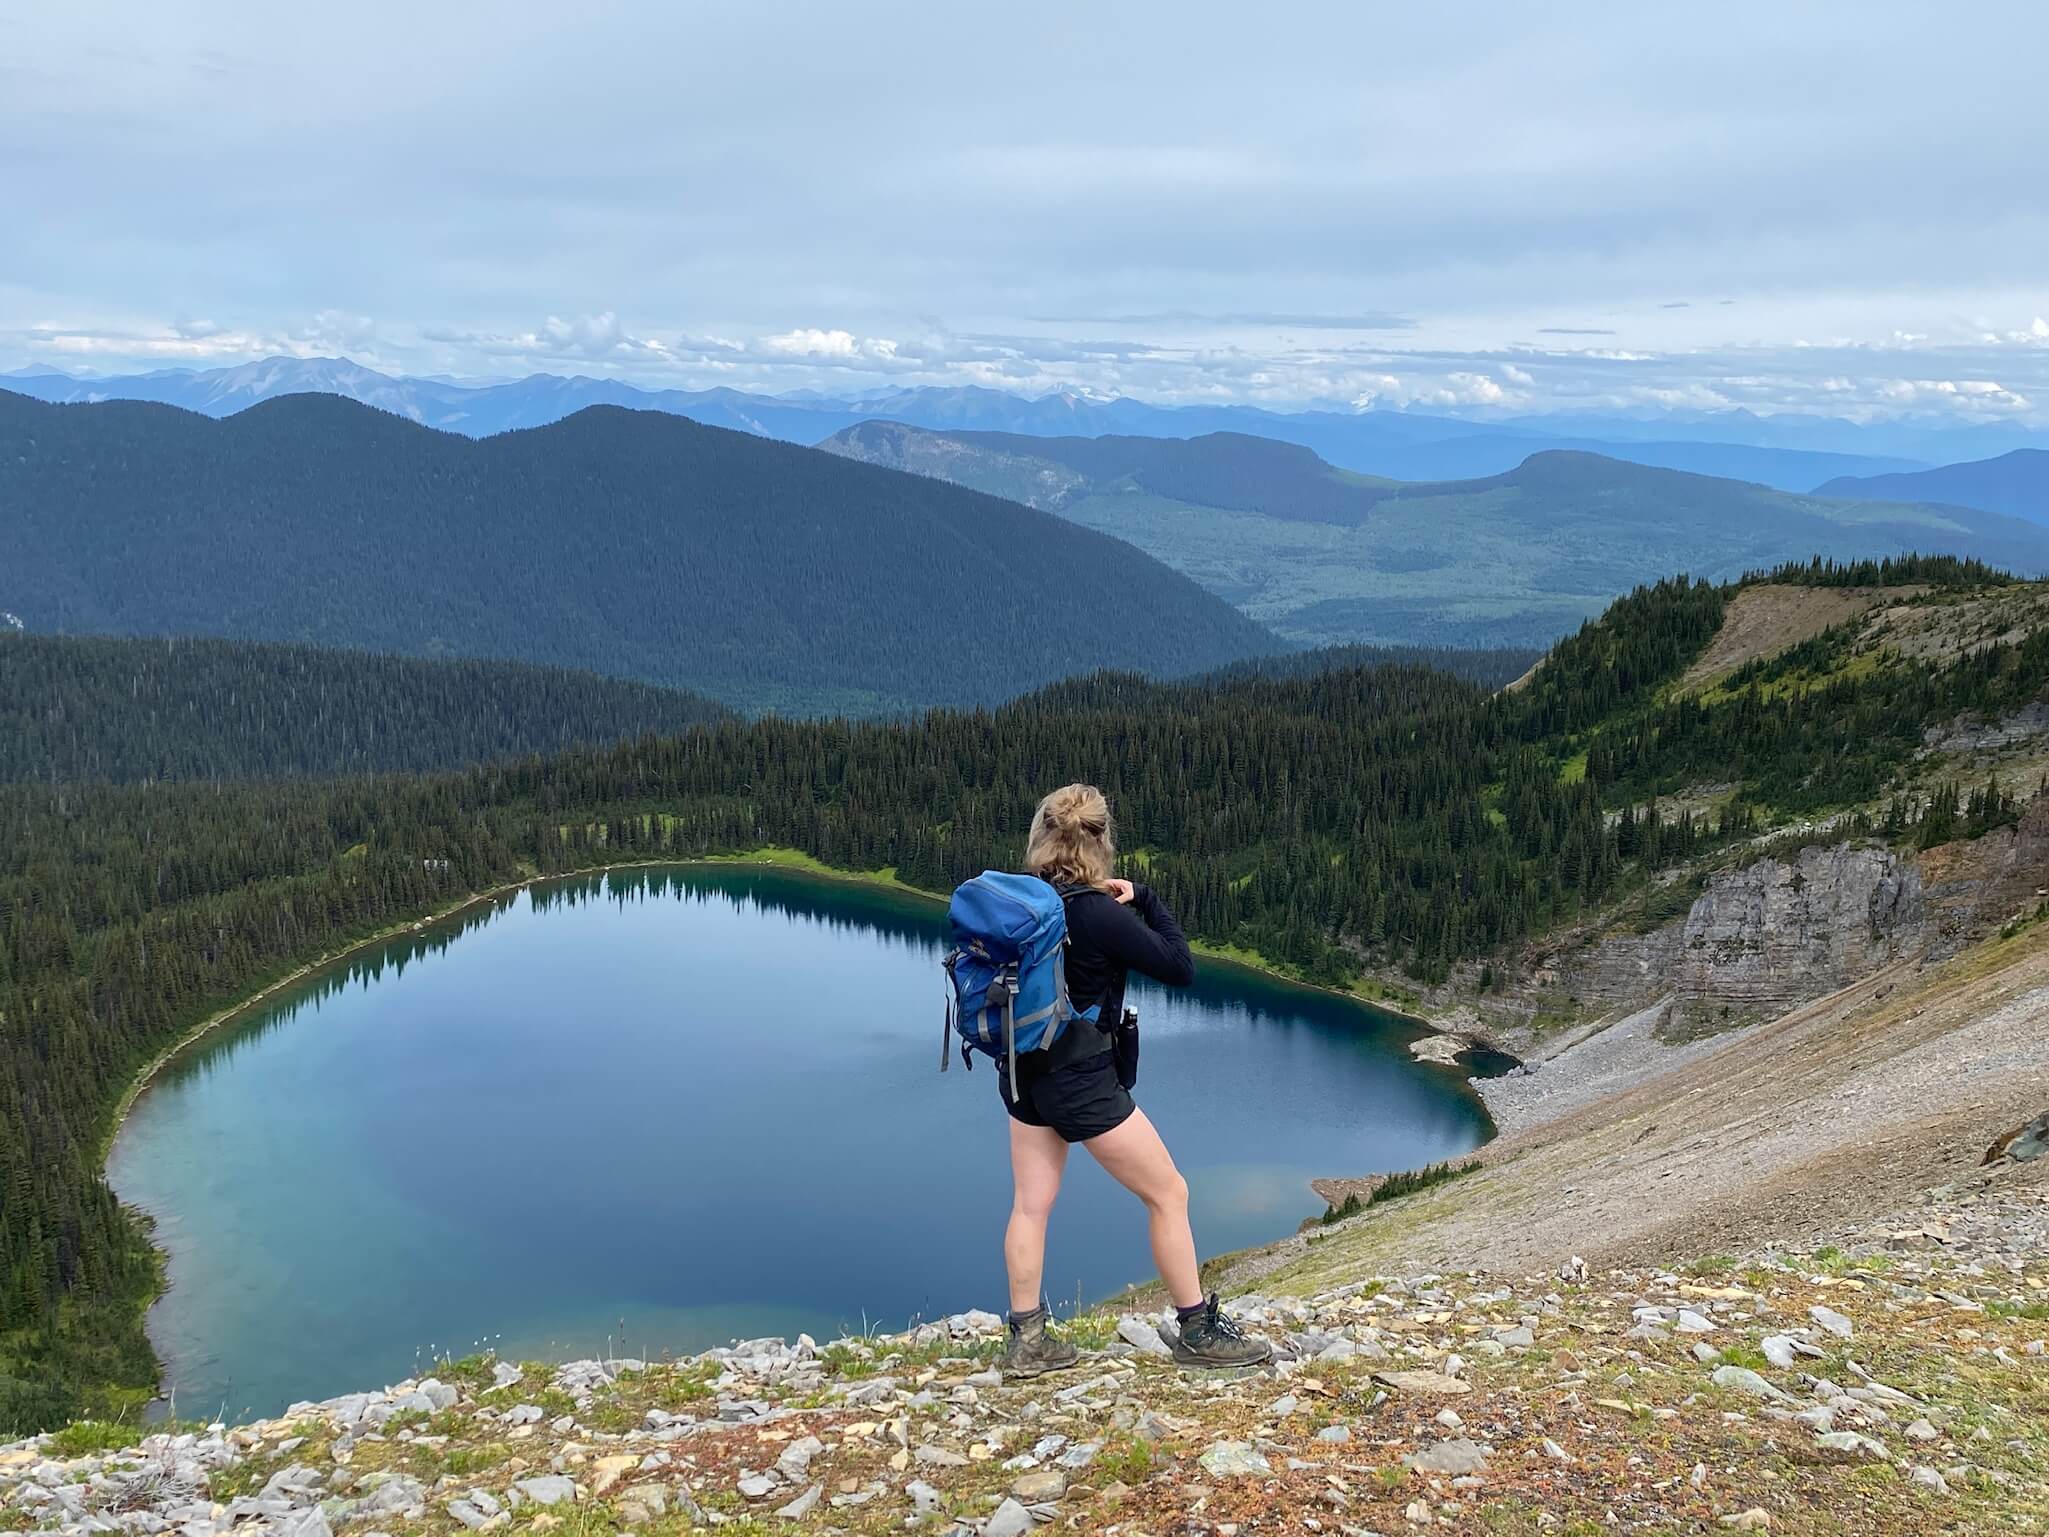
1756 942
1762 939
1974 887
1621 969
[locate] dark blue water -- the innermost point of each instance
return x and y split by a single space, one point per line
654 1111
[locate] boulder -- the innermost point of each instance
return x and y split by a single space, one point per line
795 1462
1453 1458
1036 1488
2023 1144
607 1473
439 1395
1742 1379
1852 1444
802 1505
548 1489
1829 1319
1142 1335
1421 1382
644 1503
1234 1459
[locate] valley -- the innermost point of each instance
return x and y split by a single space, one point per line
1325 557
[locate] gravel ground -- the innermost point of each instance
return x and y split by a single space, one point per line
1809 1394
1835 1116
1620 1057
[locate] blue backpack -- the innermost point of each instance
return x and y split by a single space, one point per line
1007 970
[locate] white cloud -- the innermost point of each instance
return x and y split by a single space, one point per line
1965 381
1969 396
839 346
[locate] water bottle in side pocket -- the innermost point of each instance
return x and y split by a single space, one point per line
1125 1043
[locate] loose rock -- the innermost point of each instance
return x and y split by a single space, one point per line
1229 1459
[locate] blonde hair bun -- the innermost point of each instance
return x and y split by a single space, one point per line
1072 840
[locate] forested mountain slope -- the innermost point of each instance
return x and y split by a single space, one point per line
1392 817
86 707
635 544
2016 484
1490 669
1327 557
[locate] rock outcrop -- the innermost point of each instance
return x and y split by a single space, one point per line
1757 941
1781 932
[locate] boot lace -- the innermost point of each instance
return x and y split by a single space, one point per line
1219 1326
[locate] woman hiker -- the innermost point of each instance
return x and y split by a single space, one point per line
1072 1094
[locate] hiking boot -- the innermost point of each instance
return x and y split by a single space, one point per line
1030 1350
1209 1339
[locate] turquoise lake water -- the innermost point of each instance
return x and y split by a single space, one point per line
659 1110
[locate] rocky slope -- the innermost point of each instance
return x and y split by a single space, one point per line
1764 937
1899 1383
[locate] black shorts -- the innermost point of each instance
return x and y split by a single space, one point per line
1080 1101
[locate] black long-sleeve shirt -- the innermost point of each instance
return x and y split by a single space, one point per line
1108 938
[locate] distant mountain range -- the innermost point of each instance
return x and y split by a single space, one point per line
1794 453
1326 556
629 543
2016 484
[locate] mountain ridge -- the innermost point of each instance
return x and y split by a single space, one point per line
2015 484
636 544
1790 453
1517 558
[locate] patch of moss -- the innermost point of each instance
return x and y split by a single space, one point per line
86 1438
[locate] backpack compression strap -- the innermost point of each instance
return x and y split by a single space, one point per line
946 1024
1004 990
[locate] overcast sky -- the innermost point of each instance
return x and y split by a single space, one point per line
1514 207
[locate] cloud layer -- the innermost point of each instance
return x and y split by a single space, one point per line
1817 208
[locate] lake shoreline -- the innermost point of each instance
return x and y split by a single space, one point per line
771 857
789 862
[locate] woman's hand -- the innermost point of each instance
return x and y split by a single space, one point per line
1120 889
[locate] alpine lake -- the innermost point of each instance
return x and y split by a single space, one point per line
664 1108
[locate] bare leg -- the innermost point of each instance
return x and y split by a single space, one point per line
1038 1157
1137 1159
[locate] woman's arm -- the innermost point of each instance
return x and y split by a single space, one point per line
1143 936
